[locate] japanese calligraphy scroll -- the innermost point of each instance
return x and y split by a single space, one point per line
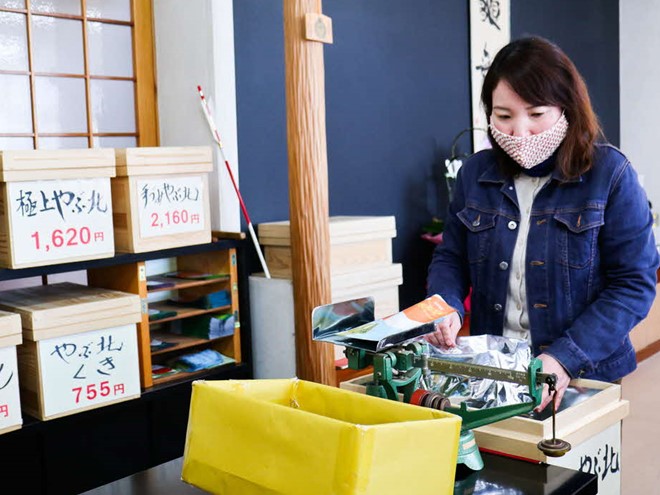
490 30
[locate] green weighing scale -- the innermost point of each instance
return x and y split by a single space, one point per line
400 370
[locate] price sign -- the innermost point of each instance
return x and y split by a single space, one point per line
88 369
599 455
10 402
171 205
58 219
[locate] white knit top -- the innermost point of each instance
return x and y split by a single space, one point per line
516 316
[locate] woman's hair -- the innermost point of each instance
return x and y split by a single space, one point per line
542 74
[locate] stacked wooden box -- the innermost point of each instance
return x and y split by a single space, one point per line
360 258
60 206
360 265
10 403
160 198
55 206
79 347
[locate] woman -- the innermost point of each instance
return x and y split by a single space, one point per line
550 228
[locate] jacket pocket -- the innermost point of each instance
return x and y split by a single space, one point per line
480 229
578 236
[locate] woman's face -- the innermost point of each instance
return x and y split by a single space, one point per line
514 116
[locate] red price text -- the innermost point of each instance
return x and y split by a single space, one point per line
65 238
95 391
161 220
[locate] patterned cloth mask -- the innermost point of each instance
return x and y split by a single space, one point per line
529 151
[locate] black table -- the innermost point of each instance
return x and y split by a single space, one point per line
499 474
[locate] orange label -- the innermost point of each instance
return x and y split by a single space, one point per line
429 309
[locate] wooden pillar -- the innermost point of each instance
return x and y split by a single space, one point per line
308 187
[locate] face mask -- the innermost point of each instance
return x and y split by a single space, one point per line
529 151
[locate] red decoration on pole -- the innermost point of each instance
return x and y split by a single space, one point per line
218 141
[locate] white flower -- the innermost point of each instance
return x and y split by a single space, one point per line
452 166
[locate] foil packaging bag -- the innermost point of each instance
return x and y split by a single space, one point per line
487 350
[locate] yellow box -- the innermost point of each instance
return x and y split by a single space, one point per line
160 198
297 437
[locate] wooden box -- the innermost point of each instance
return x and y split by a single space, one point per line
355 242
380 282
360 265
592 426
273 325
80 347
55 206
10 401
160 198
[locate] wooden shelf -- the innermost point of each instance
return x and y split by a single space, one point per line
127 273
185 375
180 341
183 311
118 259
180 283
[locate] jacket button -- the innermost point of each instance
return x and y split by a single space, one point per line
512 225
476 223
504 265
497 307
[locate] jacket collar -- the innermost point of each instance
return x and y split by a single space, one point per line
494 174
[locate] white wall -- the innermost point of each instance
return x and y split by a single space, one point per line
639 41
195 46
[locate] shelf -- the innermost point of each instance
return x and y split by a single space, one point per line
126 274
181 341
180 283
183 311
118 259
186 375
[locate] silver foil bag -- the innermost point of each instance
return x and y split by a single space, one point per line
487 350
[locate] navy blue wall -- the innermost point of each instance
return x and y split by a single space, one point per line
588 31
397 92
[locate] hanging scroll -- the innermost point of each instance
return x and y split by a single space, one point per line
490 30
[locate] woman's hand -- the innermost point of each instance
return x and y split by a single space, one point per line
445 331
551 365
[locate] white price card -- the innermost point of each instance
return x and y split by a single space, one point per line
171 205
599 455
10 402
58 219
88 369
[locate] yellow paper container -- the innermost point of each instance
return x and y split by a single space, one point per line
297 437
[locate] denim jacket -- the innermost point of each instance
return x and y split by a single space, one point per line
591 260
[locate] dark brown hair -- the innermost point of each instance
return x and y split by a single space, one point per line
542 74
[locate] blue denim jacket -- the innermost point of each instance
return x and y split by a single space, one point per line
591 260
